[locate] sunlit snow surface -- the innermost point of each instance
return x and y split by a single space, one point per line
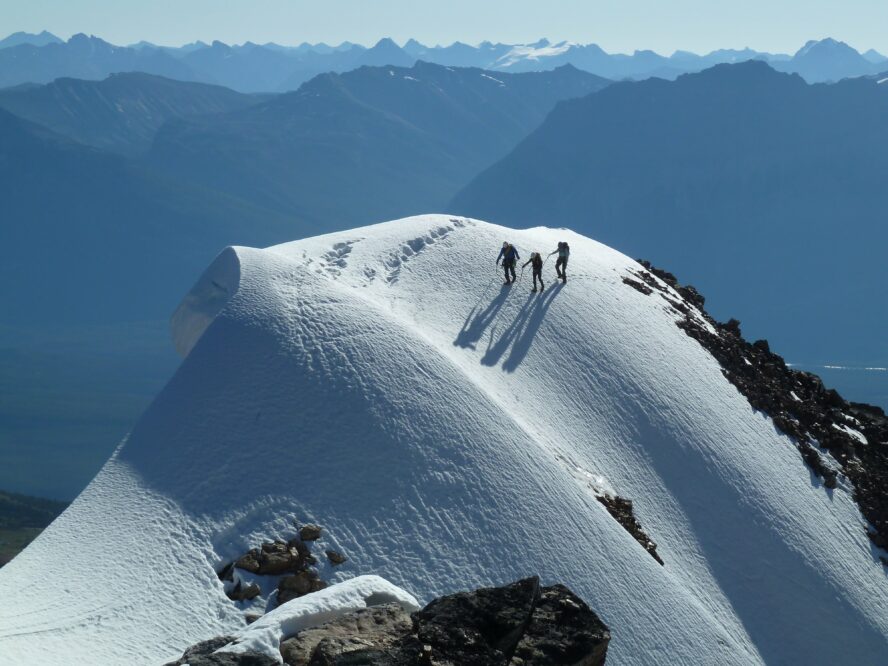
450 433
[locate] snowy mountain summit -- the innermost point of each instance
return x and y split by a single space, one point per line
449 433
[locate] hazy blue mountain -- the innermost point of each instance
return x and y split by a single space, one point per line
248 68
458 54
827 60
17 38
344 59
134 240
765 192
84 57
272 67
404 140
875 57
121 113
385 52
99 253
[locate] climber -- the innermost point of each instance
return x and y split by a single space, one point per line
561 265
509 255
536 261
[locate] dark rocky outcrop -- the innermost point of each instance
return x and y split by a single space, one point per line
621 510
562 631
202 655
520 624
816 418
480 627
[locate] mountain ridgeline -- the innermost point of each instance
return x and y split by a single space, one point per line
271 67
374 143
102 226
121 113
106 239
764 191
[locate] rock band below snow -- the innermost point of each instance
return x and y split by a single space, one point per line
509 256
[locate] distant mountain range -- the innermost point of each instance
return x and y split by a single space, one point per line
273 68
41 39
121 113
403 140
103 245
762 190
121 189
85 221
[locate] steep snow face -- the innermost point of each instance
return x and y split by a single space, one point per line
450 433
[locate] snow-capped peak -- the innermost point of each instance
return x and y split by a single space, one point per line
449 432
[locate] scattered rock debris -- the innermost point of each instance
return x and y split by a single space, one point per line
638 286
621 510
310 533
291 560
816 418
335 557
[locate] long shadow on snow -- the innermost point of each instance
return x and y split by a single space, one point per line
520 333
477 322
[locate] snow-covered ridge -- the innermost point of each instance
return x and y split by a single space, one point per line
450 434
205 300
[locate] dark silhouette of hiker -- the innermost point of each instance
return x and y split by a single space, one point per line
509 255
536 262
561 265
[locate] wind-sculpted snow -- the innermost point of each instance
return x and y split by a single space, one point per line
449 433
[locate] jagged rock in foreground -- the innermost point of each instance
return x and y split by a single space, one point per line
202 654
521 624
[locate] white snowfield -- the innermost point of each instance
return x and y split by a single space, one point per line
449 433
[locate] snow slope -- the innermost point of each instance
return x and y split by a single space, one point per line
449 433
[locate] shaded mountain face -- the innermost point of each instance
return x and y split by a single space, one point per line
765 192
84 57
121 113
82 222
97 253
369 144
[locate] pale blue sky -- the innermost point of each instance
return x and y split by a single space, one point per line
616 25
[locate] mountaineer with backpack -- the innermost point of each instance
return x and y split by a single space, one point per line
561 265
536 262
509 255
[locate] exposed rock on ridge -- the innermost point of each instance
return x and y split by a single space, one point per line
818 419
